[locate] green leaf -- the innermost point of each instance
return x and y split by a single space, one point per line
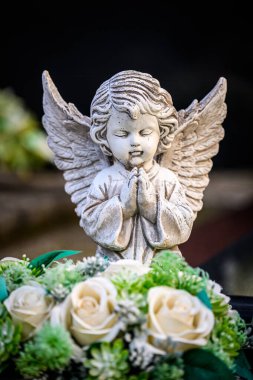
3 289
47 258
203 365
243 368
202 295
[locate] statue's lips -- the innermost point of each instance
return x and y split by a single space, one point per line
136 153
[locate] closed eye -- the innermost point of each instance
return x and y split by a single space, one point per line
121 133
146 132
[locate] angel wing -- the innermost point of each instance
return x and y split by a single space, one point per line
69 139
196 142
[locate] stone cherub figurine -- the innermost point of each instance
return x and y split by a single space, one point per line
137 168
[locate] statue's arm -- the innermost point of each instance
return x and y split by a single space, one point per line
102 218
174 218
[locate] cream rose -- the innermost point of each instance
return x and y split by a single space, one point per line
30 307
12 259
178 315
133 266
88 312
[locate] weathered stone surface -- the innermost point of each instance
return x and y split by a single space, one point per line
136 169
223 220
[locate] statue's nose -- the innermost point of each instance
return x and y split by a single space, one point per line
134 140
135 144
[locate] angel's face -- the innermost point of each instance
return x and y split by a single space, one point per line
133 142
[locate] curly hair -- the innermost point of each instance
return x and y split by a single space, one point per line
135 93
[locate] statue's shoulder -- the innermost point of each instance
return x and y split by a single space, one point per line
107 175
167 175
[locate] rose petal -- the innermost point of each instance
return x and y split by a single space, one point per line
86 325
30 307
178 315
85 338
133 266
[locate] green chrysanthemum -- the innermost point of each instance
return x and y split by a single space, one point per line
60 279
227 337
171 270
169 368
219 306
109 361
129 283
10 337
191 282
30 364
167 269
50 350
16 273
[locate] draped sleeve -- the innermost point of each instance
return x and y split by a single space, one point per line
173 218
102 215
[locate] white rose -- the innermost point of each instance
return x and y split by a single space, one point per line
88 312
178 315
12 259
133 266
29 306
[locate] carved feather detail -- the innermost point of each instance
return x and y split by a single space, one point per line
196 141
68 137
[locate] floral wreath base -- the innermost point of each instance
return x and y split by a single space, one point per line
99 320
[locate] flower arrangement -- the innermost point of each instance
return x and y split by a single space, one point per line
96 319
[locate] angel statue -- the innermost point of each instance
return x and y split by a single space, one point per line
136 168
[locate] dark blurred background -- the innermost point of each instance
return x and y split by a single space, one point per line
187 48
